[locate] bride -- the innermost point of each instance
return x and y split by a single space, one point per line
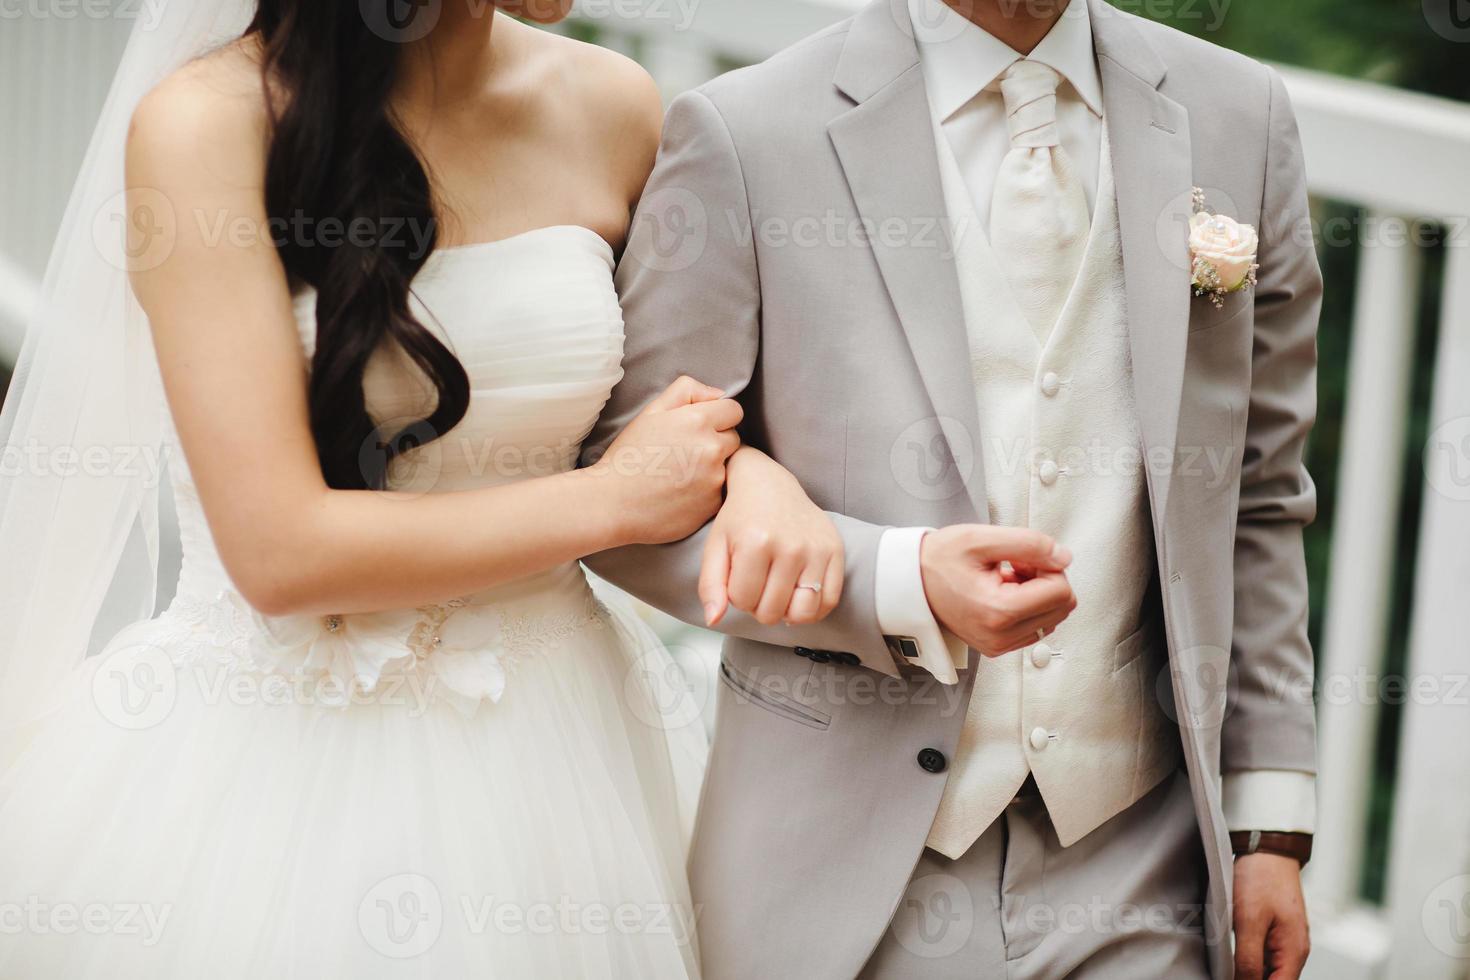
385 728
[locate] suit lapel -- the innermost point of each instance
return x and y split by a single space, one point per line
1152 172
886 148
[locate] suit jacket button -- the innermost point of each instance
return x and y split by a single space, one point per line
932 760
821 656
802 652
850 659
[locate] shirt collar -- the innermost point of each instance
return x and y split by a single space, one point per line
960 60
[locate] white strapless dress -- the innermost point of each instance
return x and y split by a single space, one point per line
499 786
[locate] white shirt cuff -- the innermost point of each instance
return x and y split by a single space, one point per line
903 609
1279 800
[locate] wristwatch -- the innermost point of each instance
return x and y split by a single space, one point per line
1297 846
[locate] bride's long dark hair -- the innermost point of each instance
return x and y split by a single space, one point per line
352 210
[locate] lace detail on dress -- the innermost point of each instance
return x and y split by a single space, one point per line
461 651
195 630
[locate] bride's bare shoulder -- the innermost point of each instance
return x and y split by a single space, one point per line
604 100
211 110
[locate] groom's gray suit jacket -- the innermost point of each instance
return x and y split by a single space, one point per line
792 248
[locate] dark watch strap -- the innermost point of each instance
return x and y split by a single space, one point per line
1297 846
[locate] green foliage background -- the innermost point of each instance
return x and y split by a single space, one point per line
1388 41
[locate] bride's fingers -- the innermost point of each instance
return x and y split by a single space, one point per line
748 569
776 596
714 577
832 583
806 604
814 605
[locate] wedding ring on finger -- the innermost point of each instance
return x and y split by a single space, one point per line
814 587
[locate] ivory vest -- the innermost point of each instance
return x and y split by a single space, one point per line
1081 711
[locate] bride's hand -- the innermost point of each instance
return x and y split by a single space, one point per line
767 542
668 465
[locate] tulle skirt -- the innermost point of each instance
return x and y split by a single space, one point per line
245 834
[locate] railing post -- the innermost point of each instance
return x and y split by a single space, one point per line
1429 856
1363 546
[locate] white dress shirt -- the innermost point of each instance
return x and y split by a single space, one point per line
962 65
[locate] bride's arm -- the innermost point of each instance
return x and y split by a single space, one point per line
234 372
768 546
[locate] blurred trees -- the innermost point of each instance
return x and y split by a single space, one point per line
1417 44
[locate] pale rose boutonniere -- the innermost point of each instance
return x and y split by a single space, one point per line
1222 253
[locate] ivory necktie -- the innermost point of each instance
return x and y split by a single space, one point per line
1038 214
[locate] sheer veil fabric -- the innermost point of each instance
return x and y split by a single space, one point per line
82 426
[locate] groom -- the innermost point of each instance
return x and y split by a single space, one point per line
942 254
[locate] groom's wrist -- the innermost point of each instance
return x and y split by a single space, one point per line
912 632
1292 845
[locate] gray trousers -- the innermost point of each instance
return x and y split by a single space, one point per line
1124 902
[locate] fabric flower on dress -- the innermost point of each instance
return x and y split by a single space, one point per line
353 650
459 645
451 652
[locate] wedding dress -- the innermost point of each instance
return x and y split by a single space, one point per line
498 786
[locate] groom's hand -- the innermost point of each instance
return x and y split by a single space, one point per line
997 588
1270 918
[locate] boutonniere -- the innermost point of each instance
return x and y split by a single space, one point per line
1222 253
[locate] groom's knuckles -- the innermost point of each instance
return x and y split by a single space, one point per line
720 414
1000 612
680 392
686 390
732 413
699 391
1251 923
996 544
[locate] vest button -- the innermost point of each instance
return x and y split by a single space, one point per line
1048 472
1041 655
1050 384
1039 738
932 760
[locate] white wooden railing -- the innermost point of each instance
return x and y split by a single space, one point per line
1403 157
